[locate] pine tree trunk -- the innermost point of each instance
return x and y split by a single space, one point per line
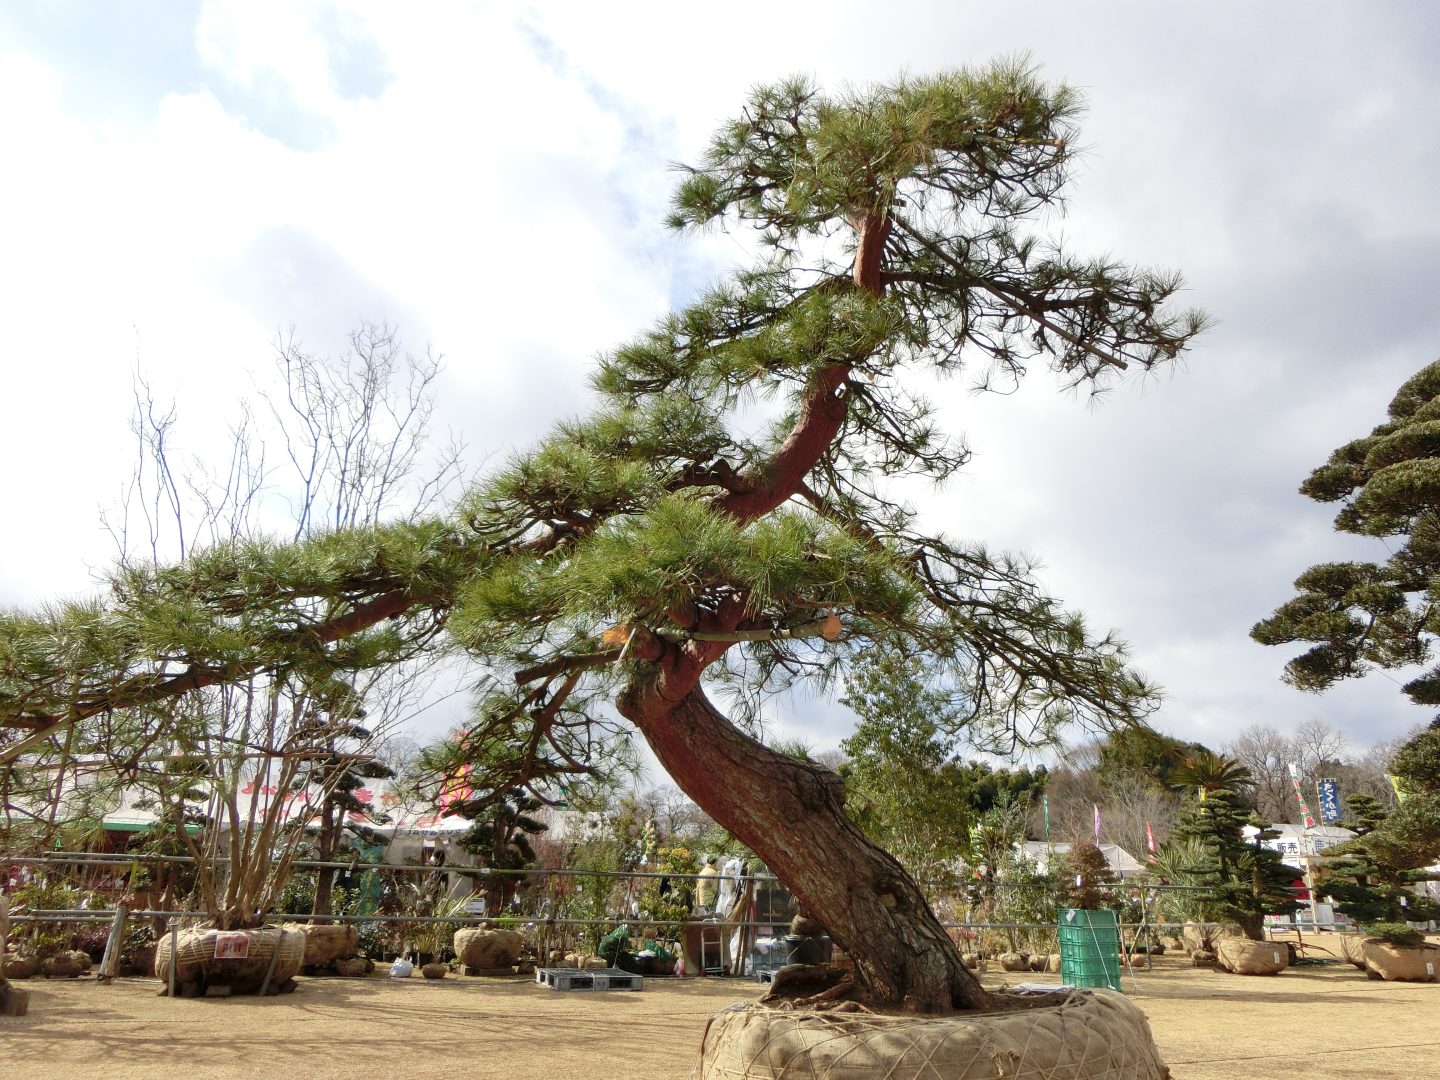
791 813
325 879
495 883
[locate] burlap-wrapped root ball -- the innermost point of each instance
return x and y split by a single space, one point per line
196 958
1092 1035
1014 961
1351 949
324 944
1241 956
1202 936
81 957
63 966
491 951
1396 964
19 967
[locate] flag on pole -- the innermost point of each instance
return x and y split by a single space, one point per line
1329 801
1150 841
1300 797
1400 792
1096 807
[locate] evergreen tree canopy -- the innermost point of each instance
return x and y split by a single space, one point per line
1247 881
905 783
1358 616
657 512
1408 839
660 550
1370 876
502 829
1142 753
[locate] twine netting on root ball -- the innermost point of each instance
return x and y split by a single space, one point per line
195 953
1092 1035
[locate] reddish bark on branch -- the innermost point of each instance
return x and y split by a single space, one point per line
791 813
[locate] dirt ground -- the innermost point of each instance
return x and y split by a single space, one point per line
1320 1023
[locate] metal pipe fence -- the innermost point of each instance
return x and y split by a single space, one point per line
961 894
63 858
106 915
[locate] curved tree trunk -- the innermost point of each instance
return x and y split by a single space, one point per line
791 813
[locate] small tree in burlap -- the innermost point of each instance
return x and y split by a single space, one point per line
1085 870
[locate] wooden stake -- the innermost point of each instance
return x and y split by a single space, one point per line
174 952
110 962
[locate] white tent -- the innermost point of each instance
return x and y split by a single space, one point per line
1049 856
128 809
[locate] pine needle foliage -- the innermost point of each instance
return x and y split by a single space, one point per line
905 233
1359 616
1371 876
1245 879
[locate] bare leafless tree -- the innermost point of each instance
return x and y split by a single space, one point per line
1317 751
356 432
1266 753
243 760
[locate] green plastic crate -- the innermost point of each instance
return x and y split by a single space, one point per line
1089 948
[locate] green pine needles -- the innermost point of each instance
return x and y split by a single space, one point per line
904 236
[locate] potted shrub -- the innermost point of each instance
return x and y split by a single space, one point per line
666 903
488 949
1394 951
430 940
1242 956
46 954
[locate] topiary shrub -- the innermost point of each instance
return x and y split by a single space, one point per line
1397 935
1085 869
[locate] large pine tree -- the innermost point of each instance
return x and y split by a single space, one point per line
661 555
1245 879
1358 617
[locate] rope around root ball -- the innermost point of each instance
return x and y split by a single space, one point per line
1092 1035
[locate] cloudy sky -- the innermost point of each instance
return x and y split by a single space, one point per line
185 179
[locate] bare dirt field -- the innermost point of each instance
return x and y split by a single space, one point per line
1317 1022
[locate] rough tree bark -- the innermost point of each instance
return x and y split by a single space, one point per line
791 813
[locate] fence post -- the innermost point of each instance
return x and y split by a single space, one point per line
174 952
